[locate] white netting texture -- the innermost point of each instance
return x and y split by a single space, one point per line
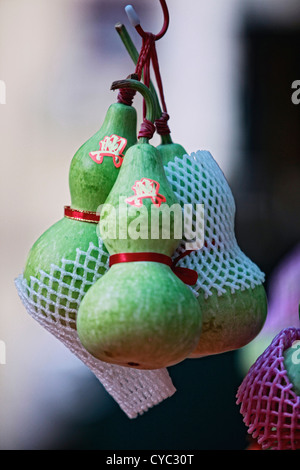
53 301
220 263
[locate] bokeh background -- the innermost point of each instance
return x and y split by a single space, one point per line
227 69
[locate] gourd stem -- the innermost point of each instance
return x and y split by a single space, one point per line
166 139
150 104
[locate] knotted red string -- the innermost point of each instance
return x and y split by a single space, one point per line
126 95
147 56
147 129
161 124
186 275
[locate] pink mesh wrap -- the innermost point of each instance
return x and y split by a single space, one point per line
270 408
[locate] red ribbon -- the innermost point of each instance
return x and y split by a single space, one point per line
188 276
82 216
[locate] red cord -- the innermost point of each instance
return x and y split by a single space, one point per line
147 56
163 31
147 129
126 96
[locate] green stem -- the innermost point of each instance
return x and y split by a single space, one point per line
166 139
127 41
147 95
133 53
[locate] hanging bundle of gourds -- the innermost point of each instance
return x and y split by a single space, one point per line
117 279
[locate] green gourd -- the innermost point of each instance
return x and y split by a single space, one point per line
233 319
90 183
139 314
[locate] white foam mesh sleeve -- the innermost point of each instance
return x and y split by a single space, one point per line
220 263
54 303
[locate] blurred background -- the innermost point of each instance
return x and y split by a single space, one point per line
227 69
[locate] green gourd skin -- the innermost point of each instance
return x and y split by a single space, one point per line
64 235
61 241
230 321
292 367
89 184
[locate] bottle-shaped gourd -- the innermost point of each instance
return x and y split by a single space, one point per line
230 287
59 256
140 314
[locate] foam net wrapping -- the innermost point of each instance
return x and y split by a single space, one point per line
53 303
221 265
270 407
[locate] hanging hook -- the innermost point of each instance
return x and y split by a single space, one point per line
136 23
